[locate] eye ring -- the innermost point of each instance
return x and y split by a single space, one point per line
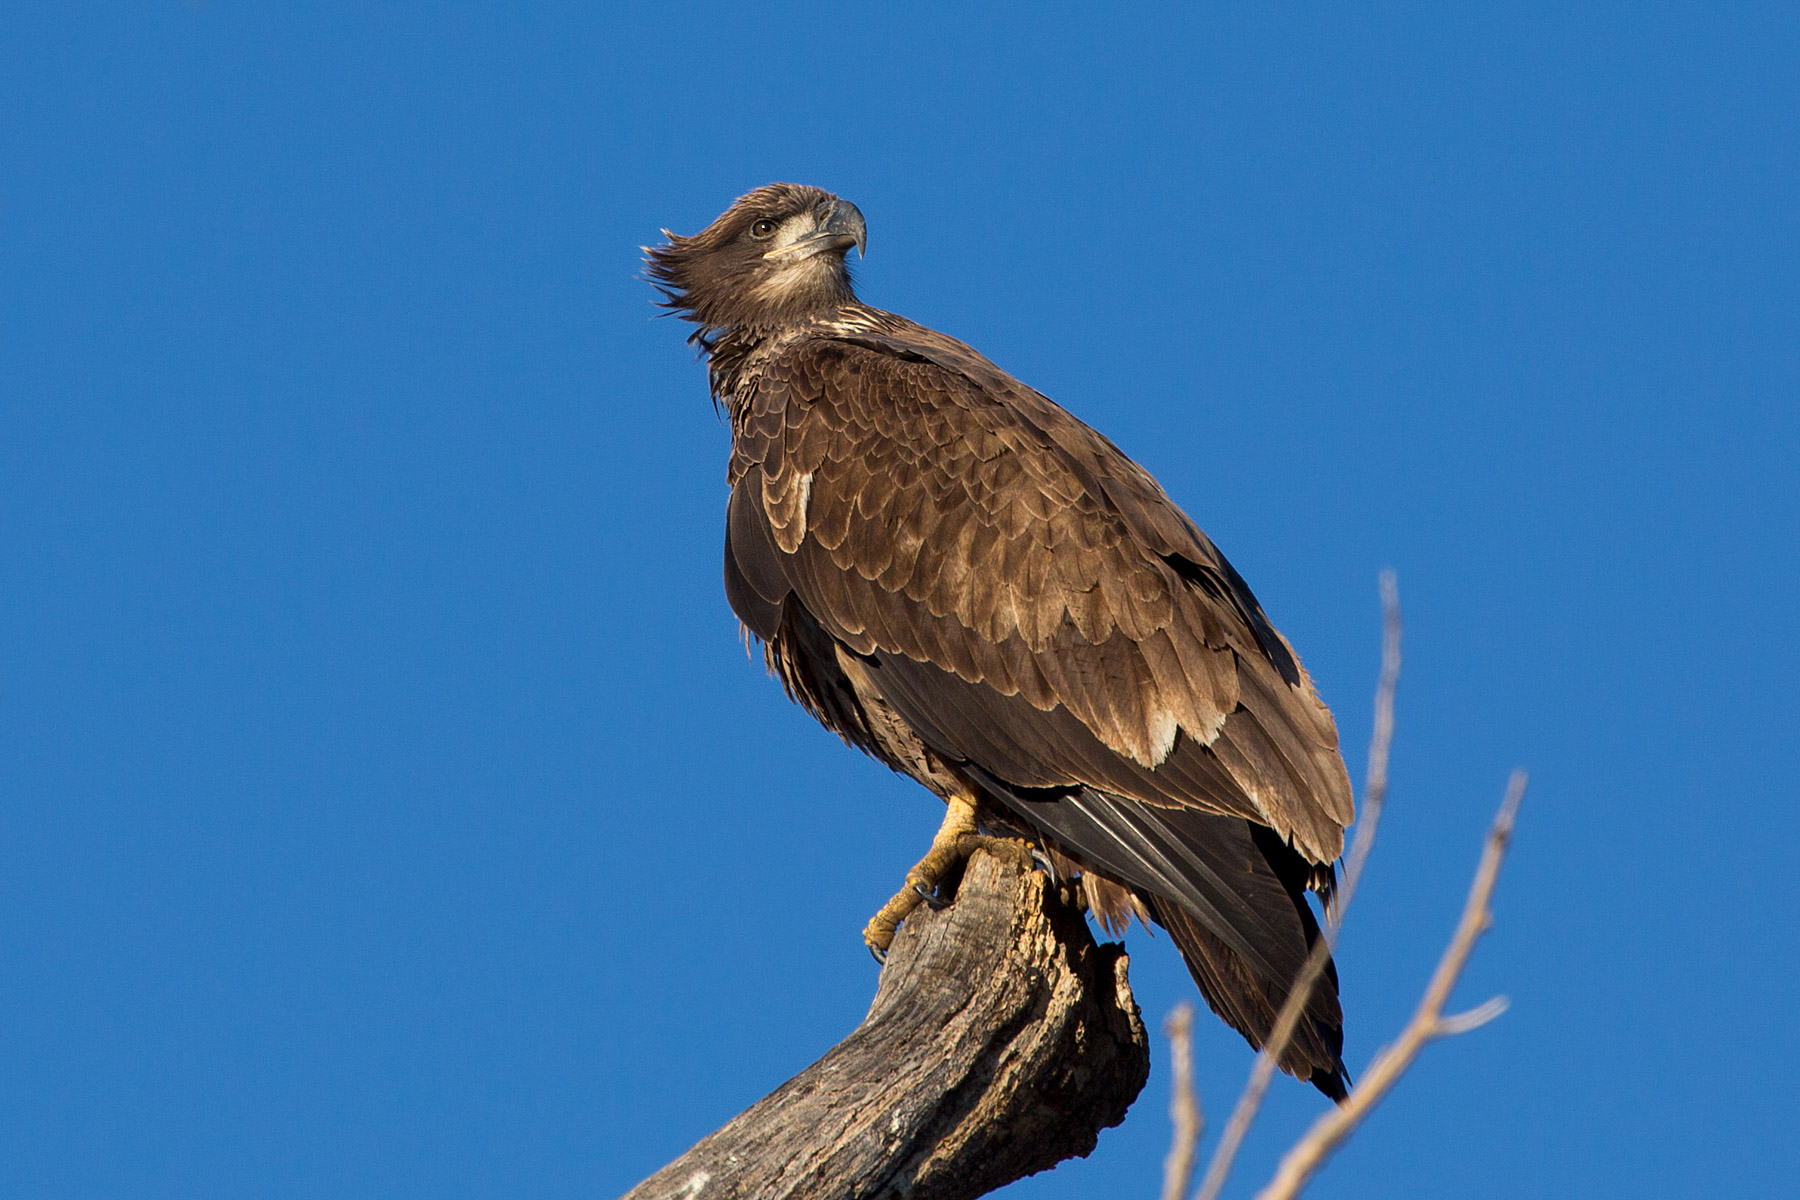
763 230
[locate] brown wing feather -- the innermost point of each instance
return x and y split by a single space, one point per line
924 503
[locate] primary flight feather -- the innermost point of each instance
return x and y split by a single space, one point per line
960 578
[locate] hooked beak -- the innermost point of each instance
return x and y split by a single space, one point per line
841 228
844 225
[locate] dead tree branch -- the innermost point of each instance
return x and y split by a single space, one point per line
1001 1041
1428 1023
1184 1103
1218 1168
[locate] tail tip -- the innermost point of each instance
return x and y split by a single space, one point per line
1333 1081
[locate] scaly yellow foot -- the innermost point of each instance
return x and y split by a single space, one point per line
956 839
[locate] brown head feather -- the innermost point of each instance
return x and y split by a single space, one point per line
774 257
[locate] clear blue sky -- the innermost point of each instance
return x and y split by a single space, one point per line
387 806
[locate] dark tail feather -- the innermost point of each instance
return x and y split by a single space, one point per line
1248 1003
1230 892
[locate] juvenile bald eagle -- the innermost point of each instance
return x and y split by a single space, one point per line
961 579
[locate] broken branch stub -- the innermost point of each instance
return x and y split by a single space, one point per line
1002 1039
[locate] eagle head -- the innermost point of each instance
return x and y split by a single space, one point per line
775 256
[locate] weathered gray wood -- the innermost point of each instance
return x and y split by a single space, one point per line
1001 1041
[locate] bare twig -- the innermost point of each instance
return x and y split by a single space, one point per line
1428 1023
1381 741
1375 784
1184 1104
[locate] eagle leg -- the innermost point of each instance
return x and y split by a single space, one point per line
956 839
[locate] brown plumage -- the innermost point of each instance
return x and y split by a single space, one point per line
963 580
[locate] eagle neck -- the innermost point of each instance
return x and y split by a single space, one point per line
729 362
737 356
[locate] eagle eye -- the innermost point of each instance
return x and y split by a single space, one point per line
763 229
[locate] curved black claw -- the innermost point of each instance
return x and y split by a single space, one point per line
934 899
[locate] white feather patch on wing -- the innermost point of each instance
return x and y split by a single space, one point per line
1163 728
805 499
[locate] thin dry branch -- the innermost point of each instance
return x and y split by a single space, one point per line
1428 1023
1381 739
1184 1103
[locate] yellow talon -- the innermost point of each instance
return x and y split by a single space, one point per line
956 839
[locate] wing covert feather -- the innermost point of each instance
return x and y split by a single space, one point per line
927 508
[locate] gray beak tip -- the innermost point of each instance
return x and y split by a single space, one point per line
847 219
